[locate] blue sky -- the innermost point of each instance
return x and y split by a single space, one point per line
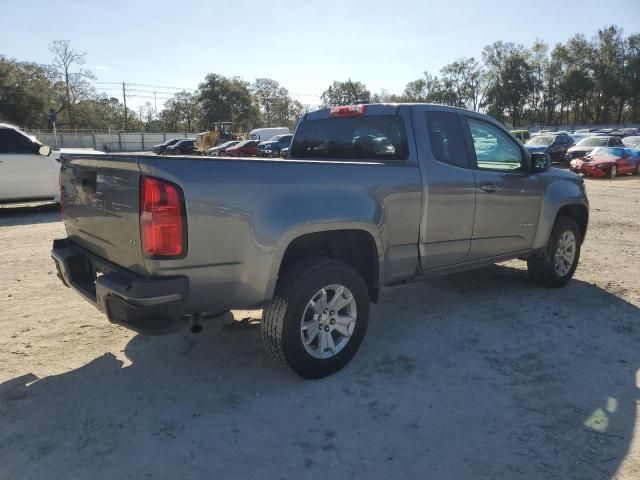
304 45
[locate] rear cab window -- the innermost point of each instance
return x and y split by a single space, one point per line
447 138
358 138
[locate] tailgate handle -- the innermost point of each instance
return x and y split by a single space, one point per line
88 185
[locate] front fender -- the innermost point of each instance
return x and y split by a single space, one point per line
561 191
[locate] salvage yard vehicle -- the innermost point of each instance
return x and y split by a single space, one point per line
584 146
220 149
273 146
607 162
186 146
246 148
554 145
522 135
263 134
154 242
29 170
160 149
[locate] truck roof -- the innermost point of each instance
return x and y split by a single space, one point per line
384 109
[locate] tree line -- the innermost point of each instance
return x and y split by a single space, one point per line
583 81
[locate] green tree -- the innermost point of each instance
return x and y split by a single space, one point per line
26 93
345 93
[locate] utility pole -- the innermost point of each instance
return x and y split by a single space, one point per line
155 103
126 115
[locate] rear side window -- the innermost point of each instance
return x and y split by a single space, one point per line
379 137
446 138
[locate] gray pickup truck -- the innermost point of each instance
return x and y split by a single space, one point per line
371 196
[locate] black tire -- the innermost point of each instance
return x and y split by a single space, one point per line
541 265
613 172
281 320
638 168
276 153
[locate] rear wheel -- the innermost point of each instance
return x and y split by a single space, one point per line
317 318
556 263
613 172
638 167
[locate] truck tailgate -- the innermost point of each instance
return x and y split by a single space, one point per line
100 199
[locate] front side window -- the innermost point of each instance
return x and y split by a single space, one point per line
14 142
494 149
375 137
446 138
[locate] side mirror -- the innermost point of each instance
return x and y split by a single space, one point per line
44 150
540 162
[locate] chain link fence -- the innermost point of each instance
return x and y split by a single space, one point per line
106 141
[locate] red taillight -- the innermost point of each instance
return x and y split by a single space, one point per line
162 225
348 111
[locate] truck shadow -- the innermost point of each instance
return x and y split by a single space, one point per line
29 213
480 375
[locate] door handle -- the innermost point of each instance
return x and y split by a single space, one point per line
489 187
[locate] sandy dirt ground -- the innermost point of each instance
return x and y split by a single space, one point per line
476 376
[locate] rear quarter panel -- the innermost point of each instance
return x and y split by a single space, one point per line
242 214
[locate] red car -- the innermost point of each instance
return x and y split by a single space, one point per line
607 162
247 148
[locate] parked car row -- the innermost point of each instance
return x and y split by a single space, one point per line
596 155
250 148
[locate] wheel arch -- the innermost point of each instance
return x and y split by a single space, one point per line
357 245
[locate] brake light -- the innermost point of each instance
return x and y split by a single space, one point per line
162 222
348 111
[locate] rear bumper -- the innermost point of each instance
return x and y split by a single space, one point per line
152 306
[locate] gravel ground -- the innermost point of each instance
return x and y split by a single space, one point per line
475 376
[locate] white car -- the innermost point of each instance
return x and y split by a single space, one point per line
29 170
264 134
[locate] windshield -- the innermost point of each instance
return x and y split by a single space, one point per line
542 141
607 152
227 144
631 141
593 142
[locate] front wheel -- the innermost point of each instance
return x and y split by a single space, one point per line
555 265
613 172
318 317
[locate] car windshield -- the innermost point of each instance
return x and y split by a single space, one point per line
227 144
607 152
242 144
593 142
541 141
